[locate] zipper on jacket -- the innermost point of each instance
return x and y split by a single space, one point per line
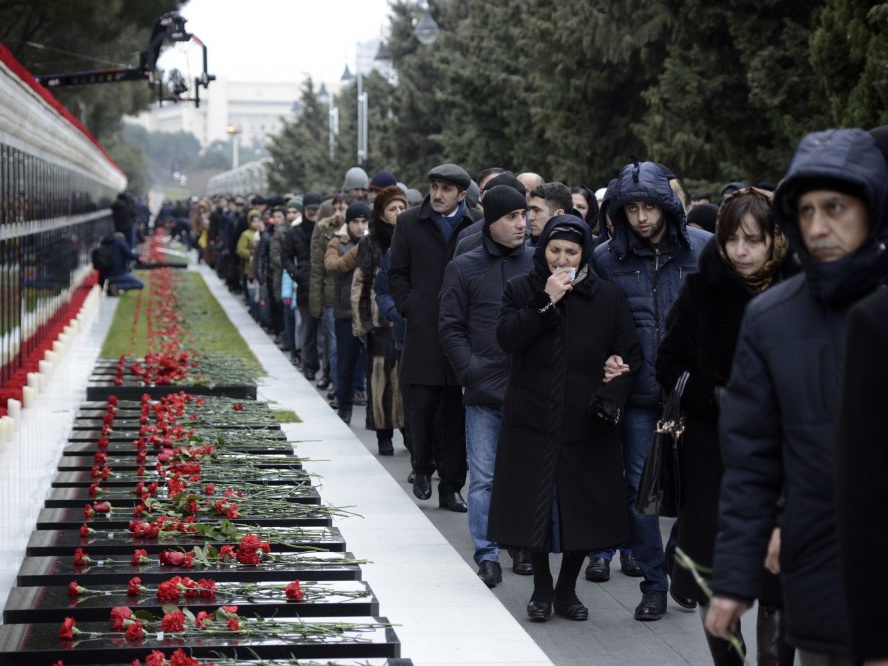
655 284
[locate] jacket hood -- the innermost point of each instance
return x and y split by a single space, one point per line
850 155
644 181
613 188
572 221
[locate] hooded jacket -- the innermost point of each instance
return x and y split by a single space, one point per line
649 276
780 408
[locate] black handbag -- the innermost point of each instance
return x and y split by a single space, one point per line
659 490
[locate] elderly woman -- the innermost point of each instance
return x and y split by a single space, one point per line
385 409
745 257
558 484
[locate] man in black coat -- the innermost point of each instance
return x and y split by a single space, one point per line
424 240
780 409
296 260
469 306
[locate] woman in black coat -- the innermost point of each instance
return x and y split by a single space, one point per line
746 255
558 483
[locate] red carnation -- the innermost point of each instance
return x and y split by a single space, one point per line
294 591
74 590
68 630
179 658
140 556
135 588
202 618
119 615
81 559
238 407
173 622
168 590
85 531
135 632
233 624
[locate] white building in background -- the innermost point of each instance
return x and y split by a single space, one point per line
254 109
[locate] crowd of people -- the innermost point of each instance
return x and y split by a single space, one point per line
523 335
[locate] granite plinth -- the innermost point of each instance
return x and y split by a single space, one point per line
223 460
129 478
40 643
60 570
116 542
71 518
126 449
208 434
102 390
254 599
260 423
219 403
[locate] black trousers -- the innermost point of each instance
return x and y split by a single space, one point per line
437 422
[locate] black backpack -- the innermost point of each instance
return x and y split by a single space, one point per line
102 258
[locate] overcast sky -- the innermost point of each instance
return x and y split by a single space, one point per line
277 40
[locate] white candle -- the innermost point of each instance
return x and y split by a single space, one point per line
4 430
58 346
63 338
45 367
67 330
14 408
33 381
28 394
74 324
41 381
11 423
50 356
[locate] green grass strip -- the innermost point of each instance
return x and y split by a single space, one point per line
286 416
205 320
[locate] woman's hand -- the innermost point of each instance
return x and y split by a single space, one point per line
558 285
772 559
614 367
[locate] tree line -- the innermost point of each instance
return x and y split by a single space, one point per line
719 91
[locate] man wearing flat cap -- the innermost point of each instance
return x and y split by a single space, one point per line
424 240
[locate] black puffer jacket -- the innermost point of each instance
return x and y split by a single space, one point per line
468 307
779 412
296 257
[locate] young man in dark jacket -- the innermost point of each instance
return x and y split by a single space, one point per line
780 409
650 254
469 307
424 240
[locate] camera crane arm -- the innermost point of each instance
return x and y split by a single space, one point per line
170 26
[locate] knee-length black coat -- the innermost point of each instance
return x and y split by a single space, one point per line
548 442
702 330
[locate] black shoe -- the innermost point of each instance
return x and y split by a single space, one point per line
309 376
422 486
684 602
599 570
451 502
331 395
539 611
652 606
385 447
411 476
345 415
490 573
360 398
521 562
629 566
576 611
324 383
334 404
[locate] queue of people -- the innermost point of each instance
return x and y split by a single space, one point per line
522 335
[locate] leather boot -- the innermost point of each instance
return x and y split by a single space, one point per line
723 653
345 415
385 446
771 638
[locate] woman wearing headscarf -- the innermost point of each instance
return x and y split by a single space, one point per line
746 255
558 484
385 410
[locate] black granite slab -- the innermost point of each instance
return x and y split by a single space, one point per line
282 539
266 599
222 460
127 477
60 569
128 425
101 390
219 403
208 434
40 643
126 449
71 518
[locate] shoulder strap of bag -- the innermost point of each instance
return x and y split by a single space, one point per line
672 408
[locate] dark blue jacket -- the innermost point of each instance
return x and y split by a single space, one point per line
468 308
386 302
121 255
649 277
779 411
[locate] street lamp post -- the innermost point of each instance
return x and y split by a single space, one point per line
235 144
427 29
362 122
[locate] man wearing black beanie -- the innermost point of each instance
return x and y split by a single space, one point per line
468 310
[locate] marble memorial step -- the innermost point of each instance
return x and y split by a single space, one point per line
101 387
71 518
128 477
313 565
125 448
282 539
332 638
259 598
